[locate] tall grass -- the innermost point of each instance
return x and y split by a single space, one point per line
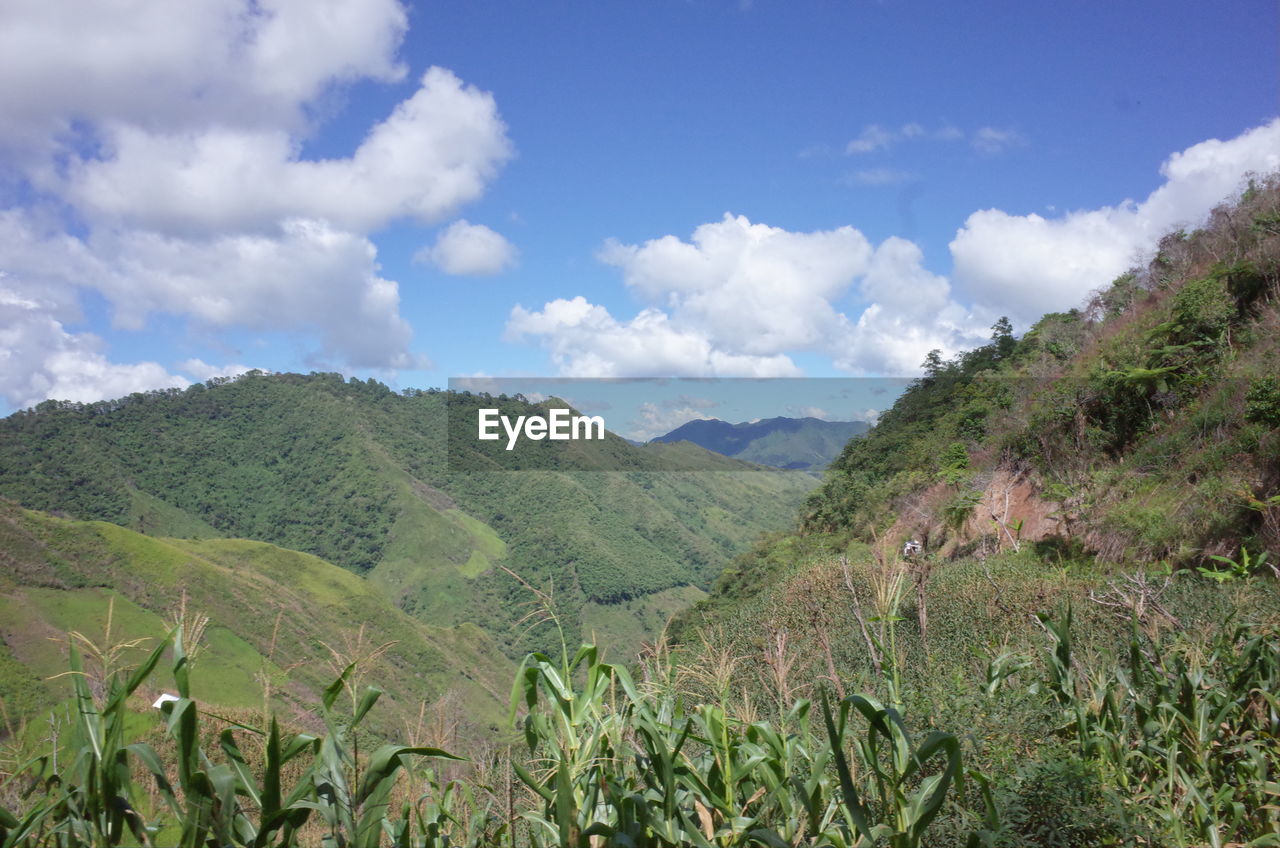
602 761
1181 737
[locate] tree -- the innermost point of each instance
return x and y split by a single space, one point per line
1002 337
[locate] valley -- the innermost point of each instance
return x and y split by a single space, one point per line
1084 651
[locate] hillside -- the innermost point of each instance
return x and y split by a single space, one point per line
795 443
356 474
1099 499
1141 427
273 615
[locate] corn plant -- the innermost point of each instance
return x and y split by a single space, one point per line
1192 740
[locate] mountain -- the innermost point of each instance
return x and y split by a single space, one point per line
1141 428
794 443
357 475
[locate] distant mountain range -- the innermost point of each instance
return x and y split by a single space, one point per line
795 443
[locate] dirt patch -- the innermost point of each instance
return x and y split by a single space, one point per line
1011 509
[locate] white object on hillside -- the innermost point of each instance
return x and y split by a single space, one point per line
164 699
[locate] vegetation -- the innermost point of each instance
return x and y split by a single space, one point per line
1101 499
358 475
1086 652
1167 743
1143 427
277 622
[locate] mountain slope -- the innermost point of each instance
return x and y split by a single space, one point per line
271 612
797 443
357 475
1142 427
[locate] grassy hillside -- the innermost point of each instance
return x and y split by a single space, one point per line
356 474
1117 467
273 615
1143 426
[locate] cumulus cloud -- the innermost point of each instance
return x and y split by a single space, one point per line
911 311
39 359
586 341
739 298
437 151
169 138
754 289
469 249
177 65
1026 265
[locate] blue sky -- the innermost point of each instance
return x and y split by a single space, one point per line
591 189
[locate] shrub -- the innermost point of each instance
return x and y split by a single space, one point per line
1262 403
1061 803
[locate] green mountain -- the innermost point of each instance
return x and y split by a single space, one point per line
273 615
357 475
795 443
1142 427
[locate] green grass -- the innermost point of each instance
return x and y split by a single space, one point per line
244 588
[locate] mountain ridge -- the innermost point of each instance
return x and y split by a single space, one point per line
806 443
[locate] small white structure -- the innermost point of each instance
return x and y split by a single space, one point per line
164 699
912 548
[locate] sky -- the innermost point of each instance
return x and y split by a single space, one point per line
503 188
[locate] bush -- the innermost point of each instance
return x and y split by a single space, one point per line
1262 403
1060 803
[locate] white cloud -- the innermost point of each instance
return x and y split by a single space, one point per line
173 65
1026 265
469 249
170 137
992 140
653 420
872 138
911 312
586 341
739 298
437 151
39 359
310 277
202 370
986 140
753 289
